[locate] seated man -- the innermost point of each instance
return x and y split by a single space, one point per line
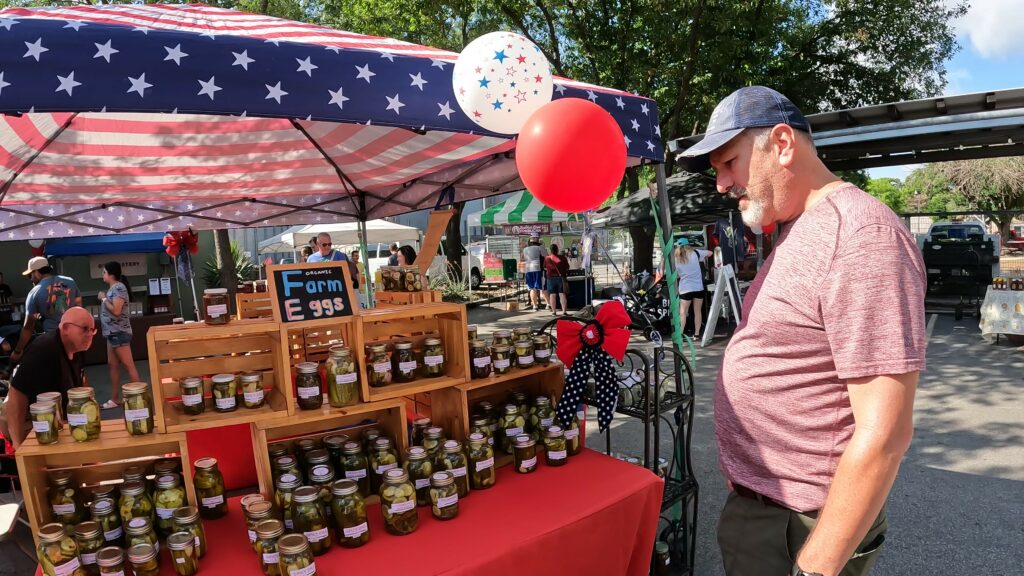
53 362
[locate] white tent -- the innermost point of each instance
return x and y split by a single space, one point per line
341 234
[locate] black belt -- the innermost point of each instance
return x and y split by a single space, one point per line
767 501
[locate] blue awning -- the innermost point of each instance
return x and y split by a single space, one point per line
113 244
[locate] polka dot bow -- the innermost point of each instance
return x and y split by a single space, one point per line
588 350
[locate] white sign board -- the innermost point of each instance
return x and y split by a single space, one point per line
726 284
154 286
131 264
165 286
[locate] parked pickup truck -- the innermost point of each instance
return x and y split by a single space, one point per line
953 231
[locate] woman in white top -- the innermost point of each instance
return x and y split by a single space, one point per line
691 283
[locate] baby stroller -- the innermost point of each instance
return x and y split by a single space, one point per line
646 302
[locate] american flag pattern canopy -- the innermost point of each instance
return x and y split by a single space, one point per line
138 118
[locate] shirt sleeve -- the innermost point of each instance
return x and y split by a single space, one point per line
872 304
31 307
34 368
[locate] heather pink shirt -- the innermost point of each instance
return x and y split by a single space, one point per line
840 297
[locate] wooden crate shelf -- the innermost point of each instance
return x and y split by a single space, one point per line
388 415
92 463
393 299
387 325
255 305
311 341
198 350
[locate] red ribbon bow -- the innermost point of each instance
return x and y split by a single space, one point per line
608 331
176 241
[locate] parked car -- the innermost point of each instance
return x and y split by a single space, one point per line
471 263
948 231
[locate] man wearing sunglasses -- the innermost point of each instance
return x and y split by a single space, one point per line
53 362
326 253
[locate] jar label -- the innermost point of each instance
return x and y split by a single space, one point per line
191 399
253 397
270 558
164 513
316 535
252 536
381 367
41 427
64 509
529 463
213 501
490 440
68 568
307 571
502 363
526 360
433 360
345 378
541 353
136 415
401 507
87 558
482 362
385 467
572 433
197 540
118 573
545 422
78 419
356 530
485 464
217 310
309 391
510 432
361 473
458 472
288 523
407 366
447 501
422 483
225 403
179 560
111 535
557 454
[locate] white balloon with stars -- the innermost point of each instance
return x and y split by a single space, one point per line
500 79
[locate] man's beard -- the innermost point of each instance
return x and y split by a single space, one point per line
753 215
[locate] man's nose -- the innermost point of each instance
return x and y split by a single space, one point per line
723 182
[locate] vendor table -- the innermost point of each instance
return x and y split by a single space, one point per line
595 515
1002 312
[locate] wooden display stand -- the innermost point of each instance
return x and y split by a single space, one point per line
92 463
255 305
416 323
311 341
392 299
388 416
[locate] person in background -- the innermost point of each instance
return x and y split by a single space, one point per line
691 282
556 267
5 291
117 329
360 268
326 253
306 253
406 256
533 263
393 259
48 300
54 362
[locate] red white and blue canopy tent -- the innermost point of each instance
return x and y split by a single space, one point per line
142 118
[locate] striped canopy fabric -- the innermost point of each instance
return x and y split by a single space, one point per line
521 208
139 118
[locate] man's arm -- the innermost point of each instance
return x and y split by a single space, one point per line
26 334
883 411
17 407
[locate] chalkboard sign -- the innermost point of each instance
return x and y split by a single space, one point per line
302 292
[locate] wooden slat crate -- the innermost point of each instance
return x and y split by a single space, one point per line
256 305
185 350
416 323
92 463
388 415
392 299
311 341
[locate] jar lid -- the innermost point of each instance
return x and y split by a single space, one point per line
277 449
81 393
141 553
520 396
134 473
476 438
422 422
351 448
271 528
215 291
541 401
102 506
286 461
403 345
501 348
511 409
485 406
60 478
317 456
138 525
336 441
133 488
541 339
479 420
339 350
452 446
250 499
433 432
48 397
432 341
181 541
344 487
88 530
206 463
524 441
661 547
378 348
258 510
306 444
292 544
442 479
109 557
382 443
307 367
287 481
554 432
396 476
477 344
251 377
104 491
321 474
371 433
521 331
416 453
223 378
502 333
42 408
133 388
166 465
191 382
168 481
186 514
52 532
306 494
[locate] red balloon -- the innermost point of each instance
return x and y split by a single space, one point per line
571 155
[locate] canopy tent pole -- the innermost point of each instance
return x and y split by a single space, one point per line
665 223
364 256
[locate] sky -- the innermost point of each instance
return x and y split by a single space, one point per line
991 38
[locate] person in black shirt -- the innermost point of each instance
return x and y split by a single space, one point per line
53 362
5 291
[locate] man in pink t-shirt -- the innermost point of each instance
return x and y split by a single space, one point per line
814 401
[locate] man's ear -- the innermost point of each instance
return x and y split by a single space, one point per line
783 140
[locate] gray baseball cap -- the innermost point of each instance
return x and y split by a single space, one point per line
750 107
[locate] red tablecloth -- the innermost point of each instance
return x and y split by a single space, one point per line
596 516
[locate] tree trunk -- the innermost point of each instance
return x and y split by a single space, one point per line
225 263
643 248
1005 224
453 240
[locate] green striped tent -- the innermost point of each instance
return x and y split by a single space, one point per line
520 208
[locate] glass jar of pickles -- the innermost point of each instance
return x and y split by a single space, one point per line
354 467
480 458
167 466
137 474
138 408
83 414
519 398
182 547
135 502
472 332
572 437
524 354
209 485
267 534
481 424
256 513
390 278
334 444
433 357
419 425
89 537
225 393
44 421
321 477
480 358
111 561
433 443
57 400
342 378
309 519
403 362
169 497
455 462
349 511
555 453
316 457
294 556
541 417
283 496
139 531
501 337
501 358
215 306
398 503
186 519
58 552
510 425
410 279
145 560
307 383
285 465
444 496
277 449
419 467
380 366
525 454
520 335
252 390
382 459
106 515
192 396
485 408
542 349
303 446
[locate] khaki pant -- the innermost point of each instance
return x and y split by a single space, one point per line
762 540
